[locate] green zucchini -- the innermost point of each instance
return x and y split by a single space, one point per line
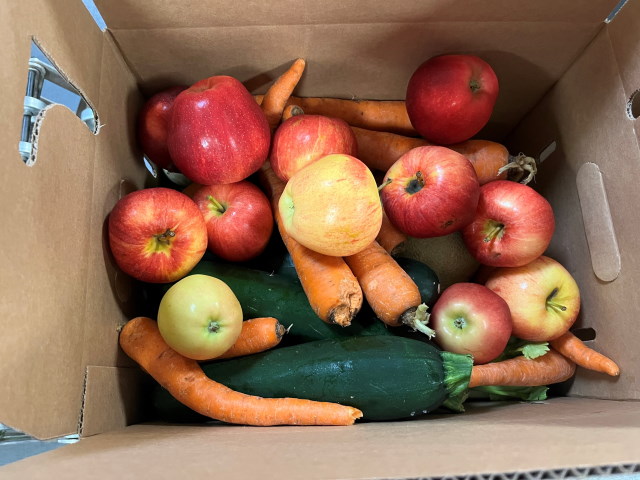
423 276
263 294
387 377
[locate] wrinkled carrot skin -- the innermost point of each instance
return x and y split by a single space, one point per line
380 150
291 111
331 288
275 100
486 157
551 367
379 115
572 347
257 335
389 237
389 290
184 379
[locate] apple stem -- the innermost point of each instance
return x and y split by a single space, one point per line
216 204
386 182
418 319
555 305
493 233
517 167
164 237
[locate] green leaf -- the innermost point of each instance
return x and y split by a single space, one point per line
534 350
526 394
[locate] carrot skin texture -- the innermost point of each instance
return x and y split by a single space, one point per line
257 335
389 290
275 100
572 347
552 367
185 380
389 237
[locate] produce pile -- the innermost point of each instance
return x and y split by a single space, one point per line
341 326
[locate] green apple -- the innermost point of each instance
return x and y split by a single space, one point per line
200 317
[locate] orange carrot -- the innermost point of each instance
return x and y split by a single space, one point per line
185 380
333 292
379 115
257 335
491 160
275 99
390 291
572 347
522 372
380 150
389 237
291 111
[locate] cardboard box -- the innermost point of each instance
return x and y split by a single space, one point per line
566 77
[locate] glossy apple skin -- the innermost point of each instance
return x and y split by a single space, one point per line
513 225
238 217
153 125
303 139
451 97
157 235
527 291
332 206
447 201
217 132
200 317
471 319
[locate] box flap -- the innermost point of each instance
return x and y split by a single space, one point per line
564 435
132 14
597 230
49 257
46 208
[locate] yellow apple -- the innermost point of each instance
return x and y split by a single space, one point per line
200 317
332 206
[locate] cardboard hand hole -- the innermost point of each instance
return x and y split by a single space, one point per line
47 86
633 105
585 334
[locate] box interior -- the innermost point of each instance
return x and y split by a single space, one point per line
566 77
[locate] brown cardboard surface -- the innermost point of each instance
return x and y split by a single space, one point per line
132 14
486 439
361 60
118 169
111 399
585 115
44 259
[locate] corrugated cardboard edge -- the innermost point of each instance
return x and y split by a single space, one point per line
111 399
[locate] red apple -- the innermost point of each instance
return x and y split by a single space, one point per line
513 225
153 124
218 133
451 97
239 219
543 297
470 319
157 235
303 139
332 206
431 191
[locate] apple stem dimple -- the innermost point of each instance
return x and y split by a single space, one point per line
213 326
216 204
493 233
415 184
459 323
164 237
474 85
